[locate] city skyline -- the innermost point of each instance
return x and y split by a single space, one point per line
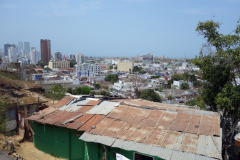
119 28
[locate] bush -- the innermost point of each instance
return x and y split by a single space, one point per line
150 95
97 85
104 93
85 90
184 86
191 102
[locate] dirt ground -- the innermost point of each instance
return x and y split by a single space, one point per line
28 151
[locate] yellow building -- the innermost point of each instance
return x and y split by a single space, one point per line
59 64
123 66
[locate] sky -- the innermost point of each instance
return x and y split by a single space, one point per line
115 28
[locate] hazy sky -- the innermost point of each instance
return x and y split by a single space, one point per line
114 27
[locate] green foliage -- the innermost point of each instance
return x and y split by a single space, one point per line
104 93
115 67
77 91
170 97
160 88
57 92
197 84
85 90
42 64
72 63
97 85
220 70
111 78
3 118
69 90
142 72
111 67
92 92
191 102
150 95
48 69
157 76
175 77
137 69
184 86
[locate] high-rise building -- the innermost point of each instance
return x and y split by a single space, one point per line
34 56
72 57
45 45
27 47
58 56
32 48
12 54
6 46
80 58
20 47
148 58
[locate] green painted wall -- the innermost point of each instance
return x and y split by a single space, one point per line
58 141
95 151
65 143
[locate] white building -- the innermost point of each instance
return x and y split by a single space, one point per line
20 47
80 58
12 54
177 84
87 69
34 56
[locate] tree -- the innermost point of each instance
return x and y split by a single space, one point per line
111 67
170 97
77 91
72 63
184 86
160 88
48 69
150 95
42 64
97 85
220 69
186 76
57 92
175 77
115 67
191 102
85 90
111 78
104 93
69 90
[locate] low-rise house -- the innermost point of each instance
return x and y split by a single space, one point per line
92 129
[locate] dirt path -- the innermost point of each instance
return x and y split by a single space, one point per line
28 151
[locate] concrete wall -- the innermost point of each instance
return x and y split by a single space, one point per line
124 66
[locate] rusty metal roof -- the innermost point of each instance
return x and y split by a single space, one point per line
171 130
80 121
62 102
91 122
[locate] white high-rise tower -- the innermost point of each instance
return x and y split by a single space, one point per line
12 54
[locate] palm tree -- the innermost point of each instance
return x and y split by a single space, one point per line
186 77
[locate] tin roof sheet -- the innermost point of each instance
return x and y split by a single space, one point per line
126 131
165 153
127 114
172 139
139 115
140 135
194 123
113 128
91 122
105 140
79 121
189 143
166 120
156 137
209 125
64 122
117 112
152 118
103 108
101 126
44 113
181 121
62 102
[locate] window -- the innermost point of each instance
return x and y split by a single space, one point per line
138 156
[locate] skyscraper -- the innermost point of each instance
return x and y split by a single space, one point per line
12 54
27 47
6 46
34 56
58 56
80 58
45 45
32 48
20 47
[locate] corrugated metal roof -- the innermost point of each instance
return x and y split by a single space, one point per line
144 148
117 111
155 150
62 102
139 115
209 125
91 122
126 131
189 143
194 123
165 153
152 118
181 121
74 106
105 140
140 135
171 140
112 129
101 126
80 121
103 108
44 113
166 120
